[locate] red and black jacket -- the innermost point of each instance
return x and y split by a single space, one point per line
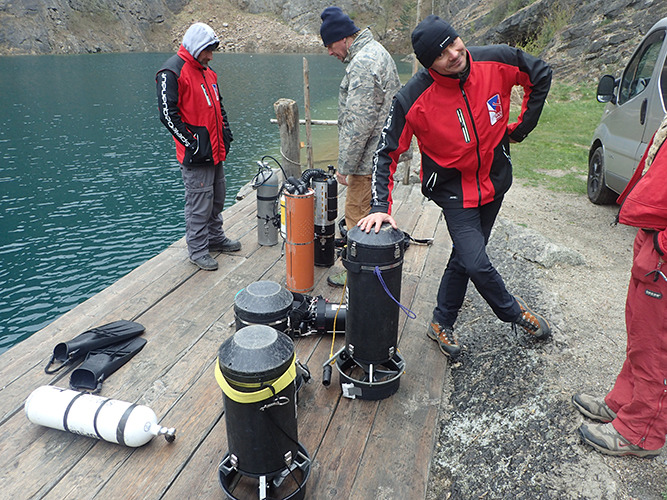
462 127
191 108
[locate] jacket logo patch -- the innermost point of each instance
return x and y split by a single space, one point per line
652 294
495 109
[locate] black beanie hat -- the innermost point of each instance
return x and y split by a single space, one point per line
430 38
336 25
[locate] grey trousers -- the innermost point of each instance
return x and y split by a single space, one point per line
204 201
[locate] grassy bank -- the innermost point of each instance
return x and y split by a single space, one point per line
556 152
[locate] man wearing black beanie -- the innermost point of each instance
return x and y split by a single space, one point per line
364 99
458 107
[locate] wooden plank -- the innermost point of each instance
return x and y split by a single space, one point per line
178 330
187 318
186 368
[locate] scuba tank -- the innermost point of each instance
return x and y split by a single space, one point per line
325 186
267 184
94 416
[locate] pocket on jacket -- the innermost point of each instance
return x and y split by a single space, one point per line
204 152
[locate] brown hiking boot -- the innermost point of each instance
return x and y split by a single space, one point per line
593 407
444 336
532 322
606 439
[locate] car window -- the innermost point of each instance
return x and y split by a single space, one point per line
638 72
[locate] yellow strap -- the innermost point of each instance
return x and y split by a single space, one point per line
253 397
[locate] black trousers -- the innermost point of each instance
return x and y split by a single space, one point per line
469 229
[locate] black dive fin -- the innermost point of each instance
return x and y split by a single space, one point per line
69 352
101 363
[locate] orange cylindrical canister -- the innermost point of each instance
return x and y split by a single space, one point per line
299 245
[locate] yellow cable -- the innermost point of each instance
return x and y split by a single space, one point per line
333 338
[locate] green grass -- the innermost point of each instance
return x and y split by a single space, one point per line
555 154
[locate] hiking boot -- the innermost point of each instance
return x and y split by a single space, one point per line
593 407
207 263
606 439
337 279
533 323
444 336
227 245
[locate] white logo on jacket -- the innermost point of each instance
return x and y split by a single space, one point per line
495 109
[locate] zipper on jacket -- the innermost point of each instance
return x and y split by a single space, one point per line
215 113
657 413
464 127
479 157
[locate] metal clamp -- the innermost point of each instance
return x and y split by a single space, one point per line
281 401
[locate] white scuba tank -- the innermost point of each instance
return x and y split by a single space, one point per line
94 416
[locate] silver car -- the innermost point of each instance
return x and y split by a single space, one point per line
635 108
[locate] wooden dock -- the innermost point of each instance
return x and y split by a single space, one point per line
359 449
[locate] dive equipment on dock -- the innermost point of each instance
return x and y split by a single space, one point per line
263 303
296 314
94 416
299 216
325 189
256 370
370 365
102 362
72 351
267 183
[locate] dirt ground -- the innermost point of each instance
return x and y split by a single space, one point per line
508 428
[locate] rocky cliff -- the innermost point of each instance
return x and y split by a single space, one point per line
83 26
580 39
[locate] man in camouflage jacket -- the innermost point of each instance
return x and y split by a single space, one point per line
364 99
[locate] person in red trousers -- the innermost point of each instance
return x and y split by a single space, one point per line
633 416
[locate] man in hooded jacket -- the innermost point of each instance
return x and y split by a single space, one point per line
191 108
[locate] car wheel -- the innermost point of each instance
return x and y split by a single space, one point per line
598 192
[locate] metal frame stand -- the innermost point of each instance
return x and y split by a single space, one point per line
229 476
370 381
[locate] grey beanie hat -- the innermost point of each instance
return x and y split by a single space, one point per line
430 38
198 37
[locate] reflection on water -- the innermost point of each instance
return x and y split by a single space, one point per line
89 184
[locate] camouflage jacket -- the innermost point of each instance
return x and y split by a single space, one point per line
365 96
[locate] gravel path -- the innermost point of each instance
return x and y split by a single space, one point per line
508 429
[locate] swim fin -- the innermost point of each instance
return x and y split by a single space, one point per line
67 353
101 363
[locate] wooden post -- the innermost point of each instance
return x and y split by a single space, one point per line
306 95
287 114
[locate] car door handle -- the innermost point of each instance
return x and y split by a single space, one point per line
642 112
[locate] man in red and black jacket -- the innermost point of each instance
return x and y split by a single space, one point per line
191 108
458 109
